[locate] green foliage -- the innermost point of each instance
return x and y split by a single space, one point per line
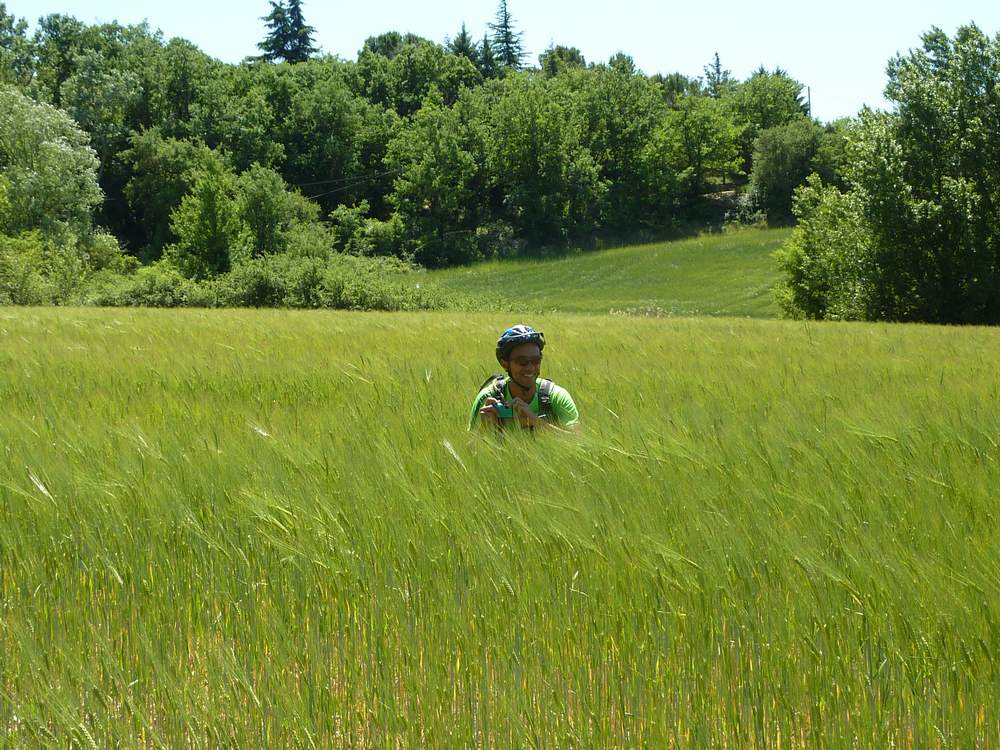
489 66
463 45
268 210
675 86
830 160
924 189
16 51
58 39
558 58
783 157
550 182
341 281
156 285
617 113
434 193
402 82
289 38
827 264
162 170
718 81
21 261
700 142
206 224
37 269
282 280
50 168
101 99
4 204
241 115
390 43
356 233
508 42
324 130
765 100
179 84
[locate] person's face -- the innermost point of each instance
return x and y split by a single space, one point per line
524 363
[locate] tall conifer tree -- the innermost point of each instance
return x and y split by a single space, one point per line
488 65
300 43
717 80
464 46
288 37
507 42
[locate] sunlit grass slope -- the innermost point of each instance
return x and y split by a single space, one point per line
271 529
722 274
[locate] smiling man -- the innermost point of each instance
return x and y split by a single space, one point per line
522 398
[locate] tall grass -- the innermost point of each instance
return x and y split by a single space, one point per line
271 529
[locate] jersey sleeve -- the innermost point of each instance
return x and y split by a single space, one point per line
564 408
477 403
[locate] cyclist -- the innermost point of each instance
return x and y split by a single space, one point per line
521 398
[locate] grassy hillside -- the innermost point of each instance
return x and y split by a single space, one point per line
729 274
272 529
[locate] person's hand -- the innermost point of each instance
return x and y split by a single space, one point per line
523 410
487 414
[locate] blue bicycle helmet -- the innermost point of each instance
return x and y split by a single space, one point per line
515 336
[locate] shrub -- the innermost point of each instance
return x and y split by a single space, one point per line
828 262
158 285
21 283
254 283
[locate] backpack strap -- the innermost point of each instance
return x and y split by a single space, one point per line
496 383
545 398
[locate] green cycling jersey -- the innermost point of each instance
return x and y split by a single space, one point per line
563 409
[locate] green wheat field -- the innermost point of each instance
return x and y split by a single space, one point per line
254 529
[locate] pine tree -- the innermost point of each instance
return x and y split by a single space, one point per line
717 80
277 36
488 65
508 42
288 38
300 44
464 46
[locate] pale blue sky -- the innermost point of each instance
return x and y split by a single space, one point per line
839 49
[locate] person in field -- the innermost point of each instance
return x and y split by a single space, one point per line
521 398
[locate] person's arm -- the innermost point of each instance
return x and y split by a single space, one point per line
567 417
483 412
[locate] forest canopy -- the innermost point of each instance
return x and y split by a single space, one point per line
146 154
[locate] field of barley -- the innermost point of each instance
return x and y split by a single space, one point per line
273 529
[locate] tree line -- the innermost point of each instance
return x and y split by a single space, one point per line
435 153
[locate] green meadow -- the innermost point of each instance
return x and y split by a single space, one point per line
730 274
273 529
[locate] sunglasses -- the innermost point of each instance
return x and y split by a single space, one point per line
525 361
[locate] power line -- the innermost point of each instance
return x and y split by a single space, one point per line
352 185
348 179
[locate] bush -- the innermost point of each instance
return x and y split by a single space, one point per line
341 281
357 234
159 285
21 283
254 283
828 262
